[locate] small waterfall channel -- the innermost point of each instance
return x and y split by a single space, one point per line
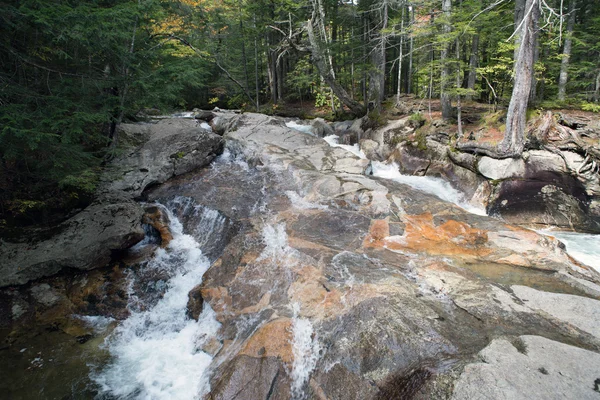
583 247
156 353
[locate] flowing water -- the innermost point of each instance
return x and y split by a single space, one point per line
299 127
156 353
583 247
436 186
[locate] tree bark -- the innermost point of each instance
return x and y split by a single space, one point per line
564 64
519 14
444 96
377 74
410 50
321 62
473 62
514 137
401 53
597 91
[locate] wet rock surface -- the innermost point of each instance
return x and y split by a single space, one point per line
336 285
113 222
550 185
330 284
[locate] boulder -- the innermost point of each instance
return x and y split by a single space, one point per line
321 128
155 217
174 147
205 115
531 367
496 169
84 242
160 150
549 199
195 303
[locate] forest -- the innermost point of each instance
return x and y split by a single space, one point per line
72 71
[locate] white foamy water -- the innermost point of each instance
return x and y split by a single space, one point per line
302 128
156 352
301 203
583 247
354 149
436 186
306 349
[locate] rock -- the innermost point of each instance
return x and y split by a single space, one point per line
496 169
156 218
224 122
195 303
174 147
549 200
355 287
371 149
84 242
582 312
321 128
531 367
207 116
342 126
44 294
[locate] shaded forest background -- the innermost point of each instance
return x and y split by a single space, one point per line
71 71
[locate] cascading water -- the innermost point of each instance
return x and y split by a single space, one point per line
302 128
332 140
435 186
306 349
583 247
156 352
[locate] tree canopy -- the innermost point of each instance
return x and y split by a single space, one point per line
71 71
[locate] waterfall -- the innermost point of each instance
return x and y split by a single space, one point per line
156 352
436 186
583 247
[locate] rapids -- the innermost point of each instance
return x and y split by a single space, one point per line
156 353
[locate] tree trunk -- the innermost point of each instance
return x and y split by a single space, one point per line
597 91
518 18
564 64
536 57
400 54
377 74
473 61
514 136
444 96
321 62
459 80
410 50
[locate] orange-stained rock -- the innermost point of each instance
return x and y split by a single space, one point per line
157 219
315 299
219 299
274 339
379 230
450 238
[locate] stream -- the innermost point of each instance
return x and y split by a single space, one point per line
583 247
155 350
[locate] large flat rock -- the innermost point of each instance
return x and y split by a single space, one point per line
533 368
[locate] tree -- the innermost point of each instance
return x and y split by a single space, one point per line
516 117
564 65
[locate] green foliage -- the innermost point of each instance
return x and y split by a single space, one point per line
593 107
